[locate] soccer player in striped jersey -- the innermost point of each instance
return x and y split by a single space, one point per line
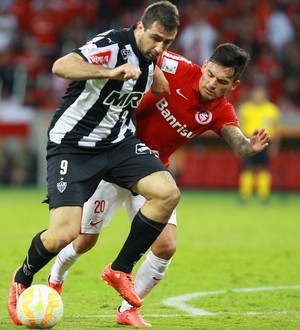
196 104
92 137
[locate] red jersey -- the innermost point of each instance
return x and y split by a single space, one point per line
167 122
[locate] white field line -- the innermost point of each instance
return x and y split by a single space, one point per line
179 302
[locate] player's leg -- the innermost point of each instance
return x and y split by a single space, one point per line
246 183
142 172
263 177
246 179
97 211
151 271
162 195
66 195
154 267
67 258
64 227
149 274
264 181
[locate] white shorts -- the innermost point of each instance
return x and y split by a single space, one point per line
105 202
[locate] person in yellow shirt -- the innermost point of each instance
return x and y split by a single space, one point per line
258 112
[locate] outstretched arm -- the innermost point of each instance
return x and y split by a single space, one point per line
74 67
243 146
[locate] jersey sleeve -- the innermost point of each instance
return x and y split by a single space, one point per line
225 117
99 51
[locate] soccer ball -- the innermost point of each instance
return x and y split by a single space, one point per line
40 307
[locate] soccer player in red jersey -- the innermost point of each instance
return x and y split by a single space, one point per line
195 103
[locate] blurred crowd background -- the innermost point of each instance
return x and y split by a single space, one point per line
34 33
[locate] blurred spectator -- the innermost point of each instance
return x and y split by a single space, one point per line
258 112
280 30
197 39
74 34
47 19
48 29
7 71
33 33
8 26
17 160
267 70
24 165
8 32
291 72
12 111
5 162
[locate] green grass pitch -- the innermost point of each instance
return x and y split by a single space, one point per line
236 267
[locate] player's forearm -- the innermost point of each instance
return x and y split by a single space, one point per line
73 67
244 148
160 83
237 140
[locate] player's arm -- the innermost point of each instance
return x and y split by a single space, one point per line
160 83
74 67
243 146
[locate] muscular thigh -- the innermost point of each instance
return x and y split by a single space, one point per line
158 184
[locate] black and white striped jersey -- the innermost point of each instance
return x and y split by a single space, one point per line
96 113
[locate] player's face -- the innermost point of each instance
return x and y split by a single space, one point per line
153 41
216 80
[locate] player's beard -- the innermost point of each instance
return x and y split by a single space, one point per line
150 55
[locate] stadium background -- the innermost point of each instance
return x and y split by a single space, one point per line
33 33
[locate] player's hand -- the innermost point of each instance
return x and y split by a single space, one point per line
259 139
125 72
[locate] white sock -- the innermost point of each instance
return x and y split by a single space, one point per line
64 260
151 271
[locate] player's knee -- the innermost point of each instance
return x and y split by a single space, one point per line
175 196
56 241
164 250
170 196
84 243
169 250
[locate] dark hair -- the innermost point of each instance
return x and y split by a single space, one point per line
231 56
163 12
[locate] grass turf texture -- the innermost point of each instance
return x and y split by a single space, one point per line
222 245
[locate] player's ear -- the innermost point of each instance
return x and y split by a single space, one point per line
140 27
204 64
235 85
